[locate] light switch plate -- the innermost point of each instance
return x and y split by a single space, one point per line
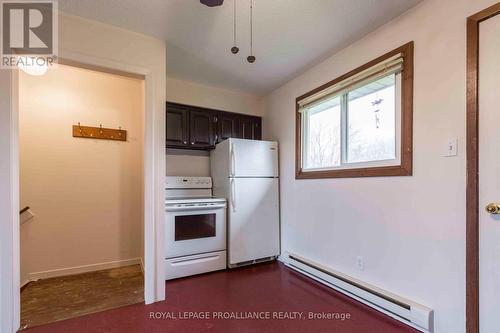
360 263
451 148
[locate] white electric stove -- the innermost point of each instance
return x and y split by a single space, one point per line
195 229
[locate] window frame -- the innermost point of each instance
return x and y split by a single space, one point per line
405 166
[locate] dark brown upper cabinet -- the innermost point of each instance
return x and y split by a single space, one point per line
227 126
190 127
250 128
177 126
257 128
201 126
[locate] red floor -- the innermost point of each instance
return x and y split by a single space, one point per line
266 287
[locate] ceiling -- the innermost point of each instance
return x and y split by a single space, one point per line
289 35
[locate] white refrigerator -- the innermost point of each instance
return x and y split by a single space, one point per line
245 172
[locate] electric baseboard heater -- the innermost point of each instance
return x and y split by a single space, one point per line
413 314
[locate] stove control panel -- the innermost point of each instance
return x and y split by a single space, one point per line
188 182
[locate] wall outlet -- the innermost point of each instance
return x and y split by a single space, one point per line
360 263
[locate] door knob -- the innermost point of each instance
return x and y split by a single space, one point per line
493 208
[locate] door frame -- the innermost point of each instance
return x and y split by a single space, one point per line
154 213
472 193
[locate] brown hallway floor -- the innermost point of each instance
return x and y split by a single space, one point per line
50 300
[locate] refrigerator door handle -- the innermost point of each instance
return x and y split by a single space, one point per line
233 160
233 195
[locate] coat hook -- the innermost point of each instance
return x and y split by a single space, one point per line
120 131
80 127
100 129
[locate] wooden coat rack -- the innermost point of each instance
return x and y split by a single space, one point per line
99 133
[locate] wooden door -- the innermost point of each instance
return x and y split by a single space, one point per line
489 176
177 126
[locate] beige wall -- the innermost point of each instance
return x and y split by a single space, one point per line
181 163
188 163
87 194
191 93
118 48
410 230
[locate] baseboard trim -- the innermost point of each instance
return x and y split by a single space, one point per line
24 284
83 269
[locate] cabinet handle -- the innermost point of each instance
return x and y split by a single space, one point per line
185 142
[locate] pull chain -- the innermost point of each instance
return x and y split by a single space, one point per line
251 58
234 49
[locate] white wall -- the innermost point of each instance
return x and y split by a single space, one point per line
410 230
87 194
185 163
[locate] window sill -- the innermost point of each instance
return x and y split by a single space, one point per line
385 171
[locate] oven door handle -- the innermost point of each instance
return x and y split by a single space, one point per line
191 208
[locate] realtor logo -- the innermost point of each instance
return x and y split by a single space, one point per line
29 32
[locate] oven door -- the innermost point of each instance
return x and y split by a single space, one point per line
194 229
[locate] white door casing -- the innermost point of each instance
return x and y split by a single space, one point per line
9 205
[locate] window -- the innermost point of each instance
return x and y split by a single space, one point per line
194 226
359 125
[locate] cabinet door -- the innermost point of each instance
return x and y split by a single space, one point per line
177 126
227 126
257 128
201 129
246 128
250 128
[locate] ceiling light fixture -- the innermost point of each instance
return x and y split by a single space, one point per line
235 49
212 3
35 69
251 58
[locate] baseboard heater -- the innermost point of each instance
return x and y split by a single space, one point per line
413 314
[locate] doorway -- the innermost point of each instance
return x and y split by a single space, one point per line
489 175
82 222
483 182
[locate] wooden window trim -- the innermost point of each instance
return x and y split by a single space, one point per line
405 168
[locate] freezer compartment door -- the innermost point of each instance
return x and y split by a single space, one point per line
253 219
251 158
